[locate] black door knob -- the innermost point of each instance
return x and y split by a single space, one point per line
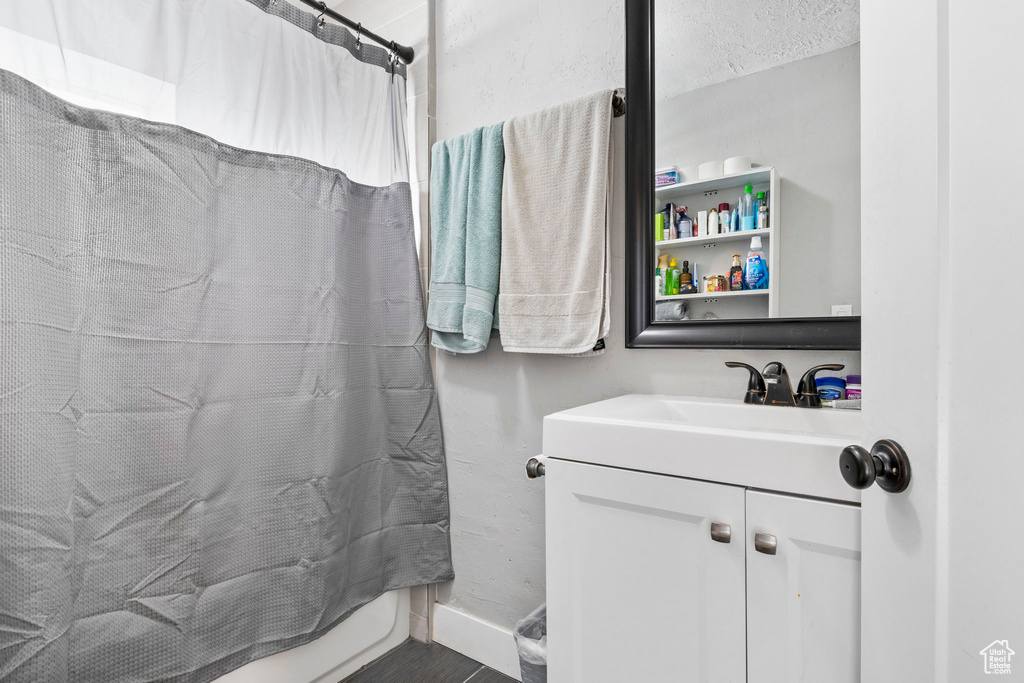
887 463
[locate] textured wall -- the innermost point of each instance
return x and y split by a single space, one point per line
703 42
496 59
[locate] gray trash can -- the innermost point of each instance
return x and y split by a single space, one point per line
532 643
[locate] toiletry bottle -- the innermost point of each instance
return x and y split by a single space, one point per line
673 278
736 274
762 211
670 221
659 227
702 223
713 221
662 290
735 225
686 282
657 283
685 223
747 216
853 388
755 273
831 389
724 218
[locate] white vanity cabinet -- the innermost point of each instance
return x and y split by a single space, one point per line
637 589
654 578
803 602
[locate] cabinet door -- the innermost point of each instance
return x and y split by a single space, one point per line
803 602
637 589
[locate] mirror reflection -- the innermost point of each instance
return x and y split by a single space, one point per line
757 151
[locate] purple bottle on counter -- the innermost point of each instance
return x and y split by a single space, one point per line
852 387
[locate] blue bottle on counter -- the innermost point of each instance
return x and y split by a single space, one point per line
831 388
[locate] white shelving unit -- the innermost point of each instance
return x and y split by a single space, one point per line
713 253
716 295
668 245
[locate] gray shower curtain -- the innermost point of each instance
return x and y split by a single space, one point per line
219 433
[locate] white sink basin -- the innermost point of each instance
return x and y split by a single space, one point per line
794 450
723 414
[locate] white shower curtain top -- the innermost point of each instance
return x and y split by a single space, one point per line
256 74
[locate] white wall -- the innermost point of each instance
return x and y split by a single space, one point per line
496 59
804 119
985 544
986 468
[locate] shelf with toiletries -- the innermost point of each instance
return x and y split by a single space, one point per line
708 239
755 176
715 295
722 250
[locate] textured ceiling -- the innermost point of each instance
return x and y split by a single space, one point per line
702 42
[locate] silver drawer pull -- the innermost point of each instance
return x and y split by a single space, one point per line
722 533
765 543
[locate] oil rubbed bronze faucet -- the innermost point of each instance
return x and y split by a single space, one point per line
771 386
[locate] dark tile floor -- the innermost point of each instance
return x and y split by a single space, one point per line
415 662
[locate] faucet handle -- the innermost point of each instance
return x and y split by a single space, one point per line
807 392
755 387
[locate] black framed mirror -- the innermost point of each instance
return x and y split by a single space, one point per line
769 327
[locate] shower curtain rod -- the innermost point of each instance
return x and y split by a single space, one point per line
405 53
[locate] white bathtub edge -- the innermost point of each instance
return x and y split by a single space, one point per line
371 631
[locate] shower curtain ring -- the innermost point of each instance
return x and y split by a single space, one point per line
320 21
359 36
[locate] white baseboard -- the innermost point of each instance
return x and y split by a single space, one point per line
488 644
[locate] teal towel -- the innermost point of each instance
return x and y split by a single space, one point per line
465 234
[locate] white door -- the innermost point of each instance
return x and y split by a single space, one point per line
942 142
803 590
636 583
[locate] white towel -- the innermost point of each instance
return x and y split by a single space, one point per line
554 294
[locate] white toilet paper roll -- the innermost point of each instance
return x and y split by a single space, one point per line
736 165
688 174
710 169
